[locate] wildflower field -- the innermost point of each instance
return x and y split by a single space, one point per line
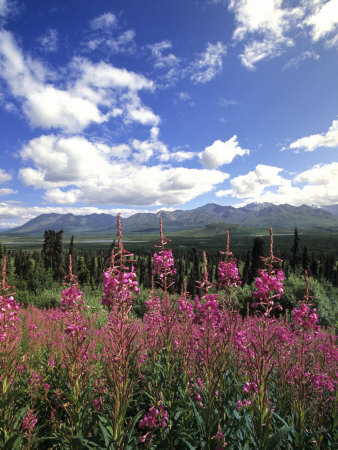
193 373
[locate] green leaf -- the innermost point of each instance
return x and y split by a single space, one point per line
13 443
107 436
189 446
275 440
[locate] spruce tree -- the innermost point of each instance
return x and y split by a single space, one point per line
246 268
305 259
295 250
256 258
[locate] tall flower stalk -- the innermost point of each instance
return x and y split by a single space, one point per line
121 347
76 358
262 346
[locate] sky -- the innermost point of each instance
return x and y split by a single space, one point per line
141 105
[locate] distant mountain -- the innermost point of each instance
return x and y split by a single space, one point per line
333 209
69 223
255 215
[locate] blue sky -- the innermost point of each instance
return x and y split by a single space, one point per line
142 105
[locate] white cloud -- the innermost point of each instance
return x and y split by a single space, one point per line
266 23
106 36
181 156
122 43
220 153
7 8
322 174
7 191
253 183
183 96
209 63
163 60
145 150
94 93
295 62
314 141
49 40
323 20
317 186
225 102
54 108
3 8
104 21
4 176
75 170
258 50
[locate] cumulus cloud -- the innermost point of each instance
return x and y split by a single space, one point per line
314 141
92 93
220 153
209 63
75 170
253 183
316 186
145 150
49 40
4 176
323 20
266 23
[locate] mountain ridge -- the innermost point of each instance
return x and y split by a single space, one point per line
254 215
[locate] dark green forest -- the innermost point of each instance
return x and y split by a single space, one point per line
37 274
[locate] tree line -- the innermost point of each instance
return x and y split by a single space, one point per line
35 269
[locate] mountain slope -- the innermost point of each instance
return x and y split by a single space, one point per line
69 223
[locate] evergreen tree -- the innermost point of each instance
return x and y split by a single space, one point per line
314 267
73 253
93 270
191 285
196 265
180 275
329 265
246 268
256 258
295 250
52 253
83 272
48 248
59 268
305 259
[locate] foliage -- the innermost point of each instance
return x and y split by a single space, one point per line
112 368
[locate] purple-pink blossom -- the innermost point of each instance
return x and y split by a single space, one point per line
164 263
228 274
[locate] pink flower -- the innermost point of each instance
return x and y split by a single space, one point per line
228 274
119 286
29 422
164 263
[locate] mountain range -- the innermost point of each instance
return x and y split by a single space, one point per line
254 215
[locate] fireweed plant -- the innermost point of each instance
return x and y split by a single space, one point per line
121 344
192 374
